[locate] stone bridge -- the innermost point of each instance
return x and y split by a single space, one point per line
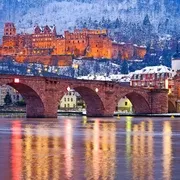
42 95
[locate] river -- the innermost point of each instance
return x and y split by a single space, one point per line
81 148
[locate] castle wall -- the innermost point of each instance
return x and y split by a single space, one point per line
76 43
45 42
140 51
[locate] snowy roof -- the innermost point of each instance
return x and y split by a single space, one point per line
142 46
121 77
154 69
95 77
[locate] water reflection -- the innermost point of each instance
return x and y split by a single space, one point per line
98 149
167 150
68 148
142 153
128 139
16 150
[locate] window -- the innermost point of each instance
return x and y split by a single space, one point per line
65 99
141 76
68 99
71 99
126 103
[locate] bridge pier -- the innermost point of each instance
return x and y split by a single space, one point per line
51 105
106 110
34 107
44 107
159 101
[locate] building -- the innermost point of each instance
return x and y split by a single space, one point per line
154 77
15 96
124 105
71 100
42 46
46 46
176 62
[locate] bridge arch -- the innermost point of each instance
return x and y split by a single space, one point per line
94 104
139 102
34 104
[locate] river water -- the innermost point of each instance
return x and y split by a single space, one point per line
90 148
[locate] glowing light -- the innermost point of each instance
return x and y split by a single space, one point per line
97 90
68 88
16 80
75 66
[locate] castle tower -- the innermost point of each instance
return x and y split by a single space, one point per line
9 29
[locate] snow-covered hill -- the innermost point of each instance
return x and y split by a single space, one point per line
67 14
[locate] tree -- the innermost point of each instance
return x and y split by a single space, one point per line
124 67
146 20
7 99
117 23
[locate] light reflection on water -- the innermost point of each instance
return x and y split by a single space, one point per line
82 148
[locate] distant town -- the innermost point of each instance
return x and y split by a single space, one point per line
83 54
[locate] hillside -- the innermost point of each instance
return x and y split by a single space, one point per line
118 16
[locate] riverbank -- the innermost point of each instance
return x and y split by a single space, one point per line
22 112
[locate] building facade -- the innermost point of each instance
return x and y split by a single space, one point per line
153 77
69 100
176 62
45 45
15 96
124 105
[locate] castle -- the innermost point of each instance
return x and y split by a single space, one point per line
44 45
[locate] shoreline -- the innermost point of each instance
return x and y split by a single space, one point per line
69 113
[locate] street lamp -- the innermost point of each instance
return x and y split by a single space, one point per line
76 66
28 70
97 90
68 88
